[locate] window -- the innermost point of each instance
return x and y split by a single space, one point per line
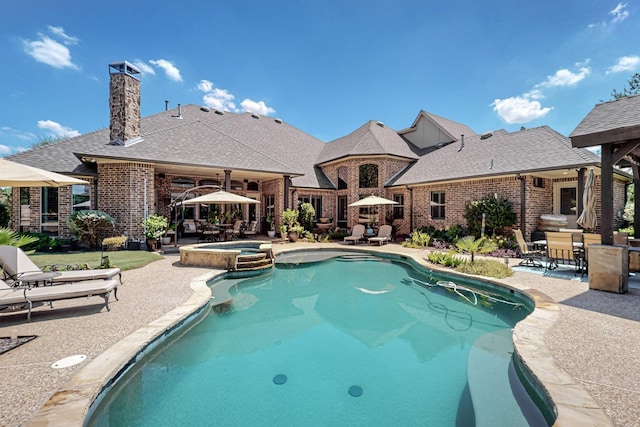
183 182
342 211
342 178
81 198
398 210
316 202
252 186
437 205
49 204
368 176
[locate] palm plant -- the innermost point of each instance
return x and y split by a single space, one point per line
11 238
473 246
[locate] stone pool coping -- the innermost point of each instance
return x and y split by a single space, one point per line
573 403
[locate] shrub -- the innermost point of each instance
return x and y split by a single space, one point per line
90 226
418 240
446 259
498 214
485 267
113 243
307 213
290 217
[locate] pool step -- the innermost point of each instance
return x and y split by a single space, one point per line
256 261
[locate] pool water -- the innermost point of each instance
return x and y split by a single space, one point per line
331 343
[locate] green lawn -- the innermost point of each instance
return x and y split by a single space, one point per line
125 260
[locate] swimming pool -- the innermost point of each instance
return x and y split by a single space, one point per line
331 339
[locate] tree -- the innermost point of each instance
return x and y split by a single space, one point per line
475 246
633 88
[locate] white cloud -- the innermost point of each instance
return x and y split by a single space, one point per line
143 67
619 13
50 52
258 107
625 63
519 109
205 85
66 39
4 150
170 70
220 99
15 133
57 129
565 77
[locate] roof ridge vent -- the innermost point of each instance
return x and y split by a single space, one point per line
278 121
218 112
380 124
255 116
205 109
486 135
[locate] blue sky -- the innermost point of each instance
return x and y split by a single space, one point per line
326 67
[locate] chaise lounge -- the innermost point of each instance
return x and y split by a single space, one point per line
26 295
18 267
384 235
357 234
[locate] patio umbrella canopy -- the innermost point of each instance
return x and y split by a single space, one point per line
220 198
588 218
14 174
373 201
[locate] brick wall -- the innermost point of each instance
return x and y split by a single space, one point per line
121 194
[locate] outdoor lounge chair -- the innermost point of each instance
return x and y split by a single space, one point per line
18 267
27 295
357 234
251 231
530 256
384 235
560 249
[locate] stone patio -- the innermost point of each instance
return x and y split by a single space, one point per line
596 339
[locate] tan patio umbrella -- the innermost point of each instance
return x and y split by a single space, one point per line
14 174
588 218
372 201
220 198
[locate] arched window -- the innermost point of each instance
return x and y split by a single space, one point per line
368 176
252 186
342 178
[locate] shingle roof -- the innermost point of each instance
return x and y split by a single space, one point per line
453 128
529 150
235 141
621 113
369 139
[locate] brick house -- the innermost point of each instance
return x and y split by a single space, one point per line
140 166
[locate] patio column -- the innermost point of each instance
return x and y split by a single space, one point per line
607 194
287 183
227 181
636 200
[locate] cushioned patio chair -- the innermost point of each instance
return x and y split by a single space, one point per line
384 235
25 296
18 267
251 230
357 234
530 256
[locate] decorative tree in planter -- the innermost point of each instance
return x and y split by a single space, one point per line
154 227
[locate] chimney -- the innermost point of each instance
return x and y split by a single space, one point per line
124 103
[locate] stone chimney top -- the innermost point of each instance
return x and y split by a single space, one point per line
124 103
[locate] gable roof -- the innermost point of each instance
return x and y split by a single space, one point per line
526 151
450 127
372 138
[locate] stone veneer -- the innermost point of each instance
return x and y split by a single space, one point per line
124 105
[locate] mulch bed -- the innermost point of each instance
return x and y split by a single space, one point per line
6 343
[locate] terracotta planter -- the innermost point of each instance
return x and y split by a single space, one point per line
293 236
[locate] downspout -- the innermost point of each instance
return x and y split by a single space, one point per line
636 199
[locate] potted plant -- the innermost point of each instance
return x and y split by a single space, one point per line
295 231
154 227
283 231
270 220
166 238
